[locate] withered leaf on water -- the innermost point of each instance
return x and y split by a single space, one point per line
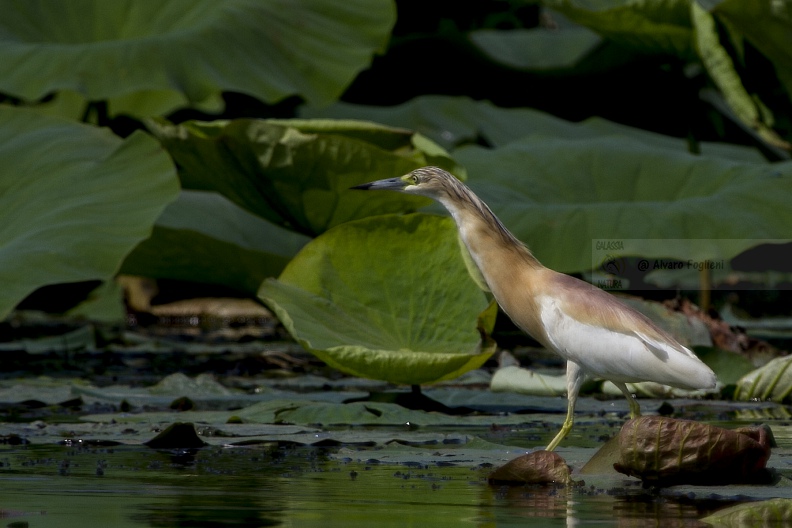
539 467
665 451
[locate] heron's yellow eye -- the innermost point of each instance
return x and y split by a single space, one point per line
414 179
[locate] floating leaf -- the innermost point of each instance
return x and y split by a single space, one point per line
236 249
525 381
81 338
297 174
616 188
773 512
150 56
771 382
72 211
386 298
359 413
178 384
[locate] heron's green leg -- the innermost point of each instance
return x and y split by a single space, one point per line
635 408
575 377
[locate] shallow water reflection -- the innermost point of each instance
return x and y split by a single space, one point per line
269 486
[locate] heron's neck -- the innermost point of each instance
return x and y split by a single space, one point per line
491 245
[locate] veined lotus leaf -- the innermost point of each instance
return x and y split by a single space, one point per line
454 121
642 25
74 200
561 196
387 298
149 56
236 249
297 173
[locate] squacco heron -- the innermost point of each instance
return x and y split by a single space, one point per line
593 331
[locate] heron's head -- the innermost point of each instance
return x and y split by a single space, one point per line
433 182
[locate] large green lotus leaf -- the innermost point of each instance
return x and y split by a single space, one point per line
235 249
387 298
297 173
538 48
560 196
160 52
454 121
74 200
650 26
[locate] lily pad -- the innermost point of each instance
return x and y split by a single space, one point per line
772 381
72 211
297 174
156 55
772 512
525 381
617 188
387 298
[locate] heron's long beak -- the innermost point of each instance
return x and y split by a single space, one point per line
391 184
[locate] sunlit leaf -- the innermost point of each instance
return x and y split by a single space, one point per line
297 174
386 298
772 381
163 53
723 72
525 381
74 200
647 25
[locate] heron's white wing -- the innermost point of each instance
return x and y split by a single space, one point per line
620 355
